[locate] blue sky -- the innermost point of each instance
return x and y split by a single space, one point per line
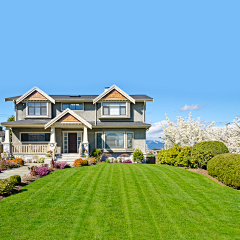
178 52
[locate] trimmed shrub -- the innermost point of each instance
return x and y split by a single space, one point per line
138 155
199 159
183 159
226 168
108 161
79 163
6 186
42 171
16 179
169 156
18 160
213 147
96 153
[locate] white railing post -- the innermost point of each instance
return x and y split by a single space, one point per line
7 142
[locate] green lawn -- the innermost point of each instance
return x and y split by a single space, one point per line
122 201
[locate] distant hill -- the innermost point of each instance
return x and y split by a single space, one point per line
154 144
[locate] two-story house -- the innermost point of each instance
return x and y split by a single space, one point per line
76 124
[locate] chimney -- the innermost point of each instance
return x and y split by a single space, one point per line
106 88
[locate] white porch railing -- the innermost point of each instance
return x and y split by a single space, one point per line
29 149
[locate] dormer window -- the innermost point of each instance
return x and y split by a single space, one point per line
114 108
37 108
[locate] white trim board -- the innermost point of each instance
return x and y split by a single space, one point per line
63 114
114 87
20 99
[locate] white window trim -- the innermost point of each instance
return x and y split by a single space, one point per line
36 116
72 103
114 102
29 142
67 139
96 139
124 140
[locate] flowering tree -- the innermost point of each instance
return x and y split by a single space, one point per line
229 135
185 132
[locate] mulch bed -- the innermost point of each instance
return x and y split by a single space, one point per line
205 173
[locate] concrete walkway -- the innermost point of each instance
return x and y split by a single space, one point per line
18 171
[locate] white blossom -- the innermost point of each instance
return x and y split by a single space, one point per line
185 132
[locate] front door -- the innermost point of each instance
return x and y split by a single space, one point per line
72 142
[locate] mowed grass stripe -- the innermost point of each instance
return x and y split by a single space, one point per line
41 217
146 199
193 209
122 201
173 207
157 204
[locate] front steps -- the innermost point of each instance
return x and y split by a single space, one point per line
67 157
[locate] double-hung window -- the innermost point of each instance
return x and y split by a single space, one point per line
114 108
37 108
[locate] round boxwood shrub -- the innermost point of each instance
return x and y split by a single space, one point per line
226 168
138 155
213 147
16 179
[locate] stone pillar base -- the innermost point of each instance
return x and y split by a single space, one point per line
6 147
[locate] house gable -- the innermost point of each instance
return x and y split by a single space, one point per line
68 118
35 94
114 92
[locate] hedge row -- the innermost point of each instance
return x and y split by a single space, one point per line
7 185
226 168
192 157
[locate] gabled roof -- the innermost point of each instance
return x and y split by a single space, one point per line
114 87
68 111
34 89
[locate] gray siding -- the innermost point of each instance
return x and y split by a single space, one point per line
21 112
16 134
135 112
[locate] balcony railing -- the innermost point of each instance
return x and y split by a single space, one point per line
29 149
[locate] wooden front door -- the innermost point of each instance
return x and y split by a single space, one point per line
72 142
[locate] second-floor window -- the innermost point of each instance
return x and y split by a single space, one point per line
114 108
72 106
37 108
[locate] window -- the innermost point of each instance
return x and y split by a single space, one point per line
129 140
37 108
99 140
114 108
35 137
114 140
72 106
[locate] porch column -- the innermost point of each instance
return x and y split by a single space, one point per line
85 144
52 142
7 143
